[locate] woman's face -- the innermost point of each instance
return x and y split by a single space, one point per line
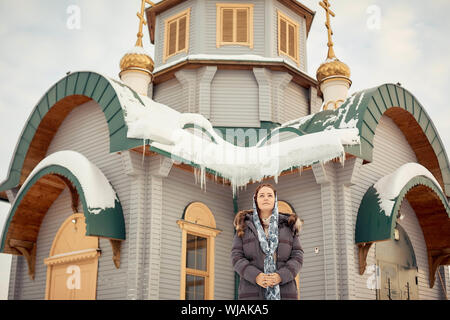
265 199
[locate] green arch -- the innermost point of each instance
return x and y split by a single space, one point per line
89 84
107 223
372 223
364 110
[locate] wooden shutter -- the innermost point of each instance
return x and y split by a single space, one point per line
182 34
172 38
282 35
291 41
241 25
227 25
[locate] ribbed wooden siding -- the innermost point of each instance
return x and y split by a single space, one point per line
391 150
234 99
160 32
179 189
13 285
301 34
303 194
208 34
136 232
85 131
171 93
412 227
295 102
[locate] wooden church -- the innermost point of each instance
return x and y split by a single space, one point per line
111 199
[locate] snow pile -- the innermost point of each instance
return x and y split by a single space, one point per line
207 148
389 187
98 192
137 50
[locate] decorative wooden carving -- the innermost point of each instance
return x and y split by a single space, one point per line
363 250
28 250
115 244
73 192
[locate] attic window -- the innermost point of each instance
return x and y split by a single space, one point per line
176 34
234 24
288 31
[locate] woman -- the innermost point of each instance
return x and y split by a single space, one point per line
266 250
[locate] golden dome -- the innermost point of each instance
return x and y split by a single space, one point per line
137 59
332 67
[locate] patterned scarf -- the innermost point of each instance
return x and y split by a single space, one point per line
269 246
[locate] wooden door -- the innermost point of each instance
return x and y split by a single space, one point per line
73 262
389 282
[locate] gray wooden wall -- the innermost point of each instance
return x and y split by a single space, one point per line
177 191
236 98
202 35
85 131
391 150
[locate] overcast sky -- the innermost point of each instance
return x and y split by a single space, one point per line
402 41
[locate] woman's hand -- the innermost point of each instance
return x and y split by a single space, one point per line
268 280
273 279
261 280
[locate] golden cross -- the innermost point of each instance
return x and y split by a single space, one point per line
326 5
142 21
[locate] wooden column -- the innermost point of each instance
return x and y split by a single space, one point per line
346 178
188 80
206 76
263 77
134 166
159 169
325 176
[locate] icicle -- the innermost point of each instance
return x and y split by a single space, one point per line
143 153
203 177
195 175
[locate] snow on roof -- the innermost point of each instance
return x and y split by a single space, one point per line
389 187
147 119
138 50
98 192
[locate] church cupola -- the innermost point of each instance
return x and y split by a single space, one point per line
136 66
333 75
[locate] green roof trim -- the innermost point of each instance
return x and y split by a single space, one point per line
363 110
89 84
108 223
373 224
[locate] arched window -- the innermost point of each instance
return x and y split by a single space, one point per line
197 252
285 207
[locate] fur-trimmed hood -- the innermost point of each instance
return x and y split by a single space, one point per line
244 217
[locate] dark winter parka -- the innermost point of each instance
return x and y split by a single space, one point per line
247 256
